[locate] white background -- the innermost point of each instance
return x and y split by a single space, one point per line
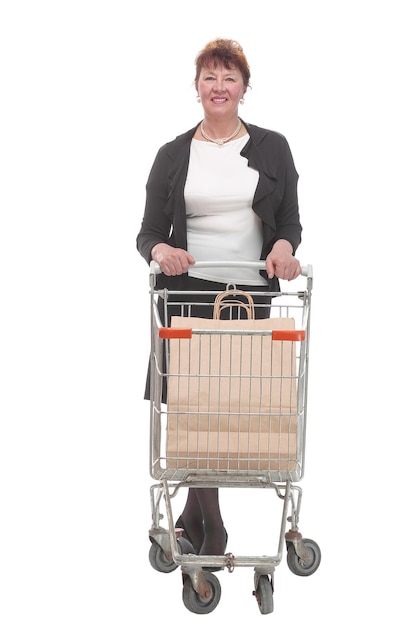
89 91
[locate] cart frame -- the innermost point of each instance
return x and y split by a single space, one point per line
202 591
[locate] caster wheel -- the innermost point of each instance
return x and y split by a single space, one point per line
184 546
306 566
194 602
159 560
264 595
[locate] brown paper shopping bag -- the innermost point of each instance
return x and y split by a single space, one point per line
232 398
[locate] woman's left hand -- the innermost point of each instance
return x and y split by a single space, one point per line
281 263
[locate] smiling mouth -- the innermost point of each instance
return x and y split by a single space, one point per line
219 100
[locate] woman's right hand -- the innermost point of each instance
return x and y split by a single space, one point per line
172 261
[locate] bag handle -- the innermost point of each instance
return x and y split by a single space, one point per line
234 298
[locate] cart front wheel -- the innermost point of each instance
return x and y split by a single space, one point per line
307 565
194 602
264 595
159 560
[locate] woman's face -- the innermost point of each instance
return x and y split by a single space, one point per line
220 90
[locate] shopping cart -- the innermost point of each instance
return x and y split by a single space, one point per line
228 408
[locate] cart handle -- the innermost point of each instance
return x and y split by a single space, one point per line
306 270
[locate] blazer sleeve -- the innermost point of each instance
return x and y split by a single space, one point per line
287 217
156 224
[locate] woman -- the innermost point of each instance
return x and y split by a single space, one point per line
224 190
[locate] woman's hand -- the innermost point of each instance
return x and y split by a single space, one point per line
281 263
172 261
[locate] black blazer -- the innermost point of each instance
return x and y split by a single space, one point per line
275 200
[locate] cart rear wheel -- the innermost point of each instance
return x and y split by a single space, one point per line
264 595
194 602
304 567
159 560
184 546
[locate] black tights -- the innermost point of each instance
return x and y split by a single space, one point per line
202 521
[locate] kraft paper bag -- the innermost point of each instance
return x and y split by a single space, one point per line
232 399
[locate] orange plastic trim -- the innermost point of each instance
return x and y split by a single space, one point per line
288 335
175 333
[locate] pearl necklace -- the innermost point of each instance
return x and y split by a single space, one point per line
223 140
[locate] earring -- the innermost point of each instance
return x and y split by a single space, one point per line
198 99
242 101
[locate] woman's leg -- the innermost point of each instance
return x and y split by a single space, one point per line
202 521
191 520
215 536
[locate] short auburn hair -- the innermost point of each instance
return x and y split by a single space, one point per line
225 52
